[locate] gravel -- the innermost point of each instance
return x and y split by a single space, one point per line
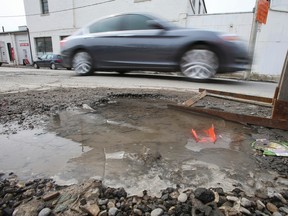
91 196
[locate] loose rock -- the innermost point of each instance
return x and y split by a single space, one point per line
45 212
204 195
246 203
157 212
271 207
182 197
92 209
112 211
50 196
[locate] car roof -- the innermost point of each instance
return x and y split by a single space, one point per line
150 15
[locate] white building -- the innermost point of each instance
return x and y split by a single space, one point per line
281 5
271 42
49 21
15 47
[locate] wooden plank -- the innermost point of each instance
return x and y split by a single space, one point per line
253 120
237 95
283 84
193 100
241 100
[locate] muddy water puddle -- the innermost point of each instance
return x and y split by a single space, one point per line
135 144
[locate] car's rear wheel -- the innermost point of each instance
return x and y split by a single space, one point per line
82 63
53 66
36 66
199 63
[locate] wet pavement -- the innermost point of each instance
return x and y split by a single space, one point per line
144 147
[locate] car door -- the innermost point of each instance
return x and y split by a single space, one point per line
41 60
102 42
48 60
144 45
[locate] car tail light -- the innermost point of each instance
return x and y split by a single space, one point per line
58 60
62 42
230 37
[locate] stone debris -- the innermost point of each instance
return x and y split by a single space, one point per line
92 198
50 195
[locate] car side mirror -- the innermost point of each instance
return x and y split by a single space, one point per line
156 25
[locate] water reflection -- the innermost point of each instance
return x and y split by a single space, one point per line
141 146
35 153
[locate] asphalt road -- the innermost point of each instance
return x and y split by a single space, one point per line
21 79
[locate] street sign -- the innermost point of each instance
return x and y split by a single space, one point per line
262 11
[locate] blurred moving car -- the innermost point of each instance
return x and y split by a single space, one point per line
53 61
135 41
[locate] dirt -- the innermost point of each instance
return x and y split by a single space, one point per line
33 109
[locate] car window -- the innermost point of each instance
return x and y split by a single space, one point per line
106 25
136 22
43 57
58 57
49 57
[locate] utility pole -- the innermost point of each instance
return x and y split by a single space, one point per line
30 46
252 41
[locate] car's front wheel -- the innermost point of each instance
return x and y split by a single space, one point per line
199 63
82 63
36 66
53 66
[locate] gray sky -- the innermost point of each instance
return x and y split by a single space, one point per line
225 6
16 8
11 8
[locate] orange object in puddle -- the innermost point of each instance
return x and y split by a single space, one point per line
211 136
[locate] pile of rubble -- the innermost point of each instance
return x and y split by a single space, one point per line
43 197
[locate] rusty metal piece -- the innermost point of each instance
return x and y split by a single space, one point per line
240 100
194 99
280 110
279 118
283 82
246 119
240 96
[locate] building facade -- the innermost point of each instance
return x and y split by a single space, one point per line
15 47
281 5
50 21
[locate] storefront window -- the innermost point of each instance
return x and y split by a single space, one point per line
43 45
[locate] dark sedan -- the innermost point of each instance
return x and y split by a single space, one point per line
127 42
53 61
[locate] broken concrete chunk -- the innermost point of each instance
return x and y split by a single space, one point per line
50 196
91 209
271 207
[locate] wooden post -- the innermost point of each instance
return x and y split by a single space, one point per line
280 108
